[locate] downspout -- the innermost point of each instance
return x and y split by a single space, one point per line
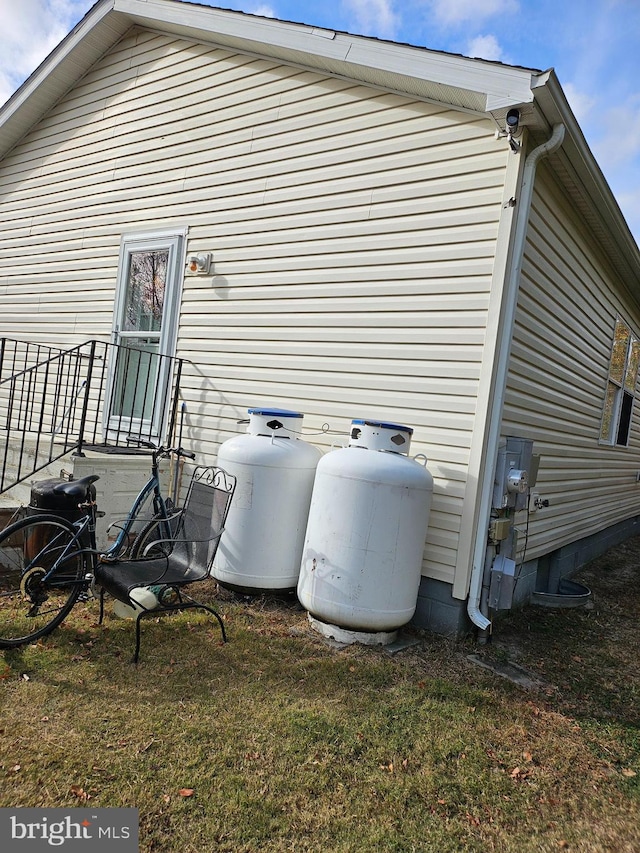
502 363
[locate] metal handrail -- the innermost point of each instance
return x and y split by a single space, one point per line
96 393
17 356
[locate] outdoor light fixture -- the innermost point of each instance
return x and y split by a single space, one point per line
199 264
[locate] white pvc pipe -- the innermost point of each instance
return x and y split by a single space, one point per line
511 300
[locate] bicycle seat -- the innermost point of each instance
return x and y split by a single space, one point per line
75 488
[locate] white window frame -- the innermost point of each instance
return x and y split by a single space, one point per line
620 390
175 242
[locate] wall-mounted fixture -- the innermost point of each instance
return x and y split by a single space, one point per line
512 126
199 264
513 120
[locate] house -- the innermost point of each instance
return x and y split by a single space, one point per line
349 228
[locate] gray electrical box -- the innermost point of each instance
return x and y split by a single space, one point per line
503 582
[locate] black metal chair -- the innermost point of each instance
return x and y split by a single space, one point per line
186 559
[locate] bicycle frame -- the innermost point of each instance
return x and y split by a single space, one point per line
87 522
152 486
159 509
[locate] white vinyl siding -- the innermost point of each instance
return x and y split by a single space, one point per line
568 306
352 231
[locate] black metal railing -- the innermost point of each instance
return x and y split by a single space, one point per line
54 401
16 356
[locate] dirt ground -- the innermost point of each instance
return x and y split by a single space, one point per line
587 657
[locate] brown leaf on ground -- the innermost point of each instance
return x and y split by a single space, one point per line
79 792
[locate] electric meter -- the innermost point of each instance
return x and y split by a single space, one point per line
517 481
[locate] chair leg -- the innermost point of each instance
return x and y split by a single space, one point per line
220 622
183 605
137 651
192 604
101 606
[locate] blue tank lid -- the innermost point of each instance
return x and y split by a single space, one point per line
283 413
382 425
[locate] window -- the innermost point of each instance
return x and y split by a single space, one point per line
145 324
621 386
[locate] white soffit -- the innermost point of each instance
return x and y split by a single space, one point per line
455 80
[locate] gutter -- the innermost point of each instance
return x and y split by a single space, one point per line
502 364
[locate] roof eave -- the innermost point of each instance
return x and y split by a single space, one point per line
478 86
456 81
100 28
473 84
575 162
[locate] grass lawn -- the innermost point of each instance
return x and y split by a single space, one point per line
279 742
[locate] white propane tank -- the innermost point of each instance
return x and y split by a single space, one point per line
261 549
362 555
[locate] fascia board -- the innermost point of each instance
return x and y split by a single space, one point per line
444 78
497 84
580 164
361 58
66 48
60 71
467 84
210 23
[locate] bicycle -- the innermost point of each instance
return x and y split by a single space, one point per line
161 525
47 562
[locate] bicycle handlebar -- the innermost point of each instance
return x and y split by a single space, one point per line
179 451
160 450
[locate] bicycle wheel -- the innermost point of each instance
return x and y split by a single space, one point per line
153 531
32 603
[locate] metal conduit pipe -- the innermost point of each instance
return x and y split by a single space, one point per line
511 299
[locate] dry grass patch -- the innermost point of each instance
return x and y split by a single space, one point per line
278 742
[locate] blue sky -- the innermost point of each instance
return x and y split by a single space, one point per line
594 46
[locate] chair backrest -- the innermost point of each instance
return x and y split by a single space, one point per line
204 515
